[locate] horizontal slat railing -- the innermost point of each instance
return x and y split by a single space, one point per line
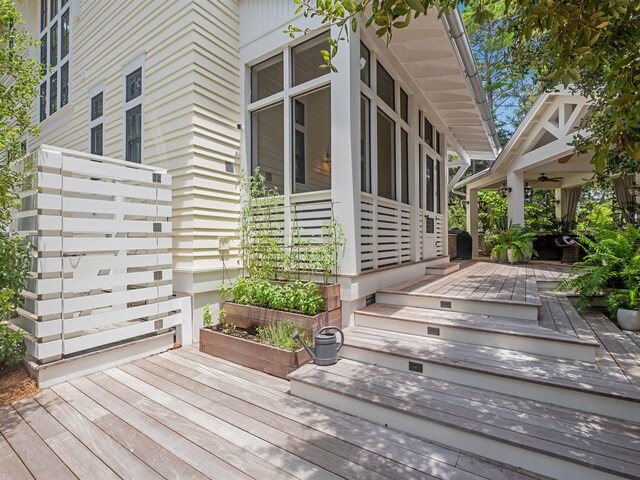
101 231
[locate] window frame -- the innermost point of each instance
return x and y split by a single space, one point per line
96 121
132 103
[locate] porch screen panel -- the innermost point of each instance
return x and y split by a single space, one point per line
430 183
365 144
438 174
386 88
307 60
386 157
404 166
267 146
312 141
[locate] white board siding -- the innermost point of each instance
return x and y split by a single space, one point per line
190 105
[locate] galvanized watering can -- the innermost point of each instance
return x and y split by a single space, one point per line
327 346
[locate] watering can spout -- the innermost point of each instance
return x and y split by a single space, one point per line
296 336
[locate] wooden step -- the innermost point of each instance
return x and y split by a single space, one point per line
527 312
568 383
488 330
546 439
444 269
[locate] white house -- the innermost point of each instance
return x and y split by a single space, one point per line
207 90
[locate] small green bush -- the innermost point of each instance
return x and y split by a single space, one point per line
207 317
297 297
279 334
12 346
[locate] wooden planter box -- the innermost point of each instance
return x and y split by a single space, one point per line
254 355
247 316
330 293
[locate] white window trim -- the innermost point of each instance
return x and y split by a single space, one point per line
135 64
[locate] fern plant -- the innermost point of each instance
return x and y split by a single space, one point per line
612 261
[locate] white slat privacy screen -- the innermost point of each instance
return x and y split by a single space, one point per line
101 231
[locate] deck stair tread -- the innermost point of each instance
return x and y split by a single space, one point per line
595 441
561 373
472 321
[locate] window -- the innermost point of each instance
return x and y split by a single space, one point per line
134 135
438 187
312 141
55 33
267 78
438 145
404 106
420 178
430 183
134 85
386 156
420 133
96 124
404 167
307 60
365 65
365 144
428 132
267 144
385 87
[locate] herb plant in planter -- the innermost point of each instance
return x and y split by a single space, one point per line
276 289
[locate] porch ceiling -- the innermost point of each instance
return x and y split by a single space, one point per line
426 52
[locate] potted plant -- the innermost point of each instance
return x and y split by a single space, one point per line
611 263
625 307
513 244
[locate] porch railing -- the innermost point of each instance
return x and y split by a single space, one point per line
101 233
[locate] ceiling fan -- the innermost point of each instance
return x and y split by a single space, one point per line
543 178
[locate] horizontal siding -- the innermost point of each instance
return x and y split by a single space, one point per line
190 106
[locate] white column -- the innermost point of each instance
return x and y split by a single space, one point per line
515 199
345 148
472 220
414 178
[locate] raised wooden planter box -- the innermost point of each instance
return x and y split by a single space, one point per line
330 294
254 355
247 316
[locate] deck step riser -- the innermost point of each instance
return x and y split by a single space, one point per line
563 397
513 455
443 270
539 346
528 313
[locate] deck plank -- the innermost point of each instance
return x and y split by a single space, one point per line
12 466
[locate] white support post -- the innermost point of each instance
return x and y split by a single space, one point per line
472 220
345 149
414 185
515 199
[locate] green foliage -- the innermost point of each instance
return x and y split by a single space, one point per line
15 264
540 211
457 216
591 45
515 238
492 210
595 209
207 317
278 334
295 297
612 261
629 300
12 347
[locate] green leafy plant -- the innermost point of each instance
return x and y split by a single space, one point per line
629 300
278 334
207 317
515 238
612 261
12 346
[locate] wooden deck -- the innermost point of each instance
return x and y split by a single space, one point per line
184 414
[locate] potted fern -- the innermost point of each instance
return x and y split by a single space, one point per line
625 306
513 244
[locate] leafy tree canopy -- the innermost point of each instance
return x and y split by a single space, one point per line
591 45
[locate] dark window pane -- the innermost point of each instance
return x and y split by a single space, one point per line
53 93
43 14
365 144
134 134
386 87
64 2
53 44
438 145
365 67
404 166
96 140
64 84
430 183
64 47
420 177
312 141
420 124
54 8
428 132
134 84
307 60
267 78
299 112
438 186
43 52
96 106
300 158
386 142
404 106
43 101
267 145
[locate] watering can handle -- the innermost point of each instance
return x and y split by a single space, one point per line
338 330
